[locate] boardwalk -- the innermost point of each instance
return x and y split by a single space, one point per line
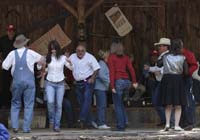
92 134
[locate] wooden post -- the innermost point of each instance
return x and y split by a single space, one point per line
80 14
161 14
81 11
81 20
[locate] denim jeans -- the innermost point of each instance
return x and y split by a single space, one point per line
55 93
83 92
101 106
67 106
161 109
27 91
121 87
188 116
4 134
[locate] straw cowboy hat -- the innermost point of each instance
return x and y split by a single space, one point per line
20 41
163 41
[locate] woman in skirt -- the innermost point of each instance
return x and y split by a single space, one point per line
172 93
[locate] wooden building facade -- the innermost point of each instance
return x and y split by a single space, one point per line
151 19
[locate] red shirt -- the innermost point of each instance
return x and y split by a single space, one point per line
119 66
191 60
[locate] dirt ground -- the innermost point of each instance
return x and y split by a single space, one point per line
92 134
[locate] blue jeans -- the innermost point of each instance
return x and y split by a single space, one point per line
55 93
27 91
121 87
188 116
83 92
69 111
4 134
159 109
101 106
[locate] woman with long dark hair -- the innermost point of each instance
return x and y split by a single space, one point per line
55 83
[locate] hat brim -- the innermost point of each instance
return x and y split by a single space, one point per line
160 43
21 44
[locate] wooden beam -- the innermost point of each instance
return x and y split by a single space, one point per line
91 9
81 11
68 8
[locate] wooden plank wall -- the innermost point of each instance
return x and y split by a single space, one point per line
25 14
147 18
151 19
183 21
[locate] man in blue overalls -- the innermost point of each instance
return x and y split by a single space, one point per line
23 86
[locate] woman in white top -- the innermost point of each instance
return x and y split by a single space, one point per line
55 83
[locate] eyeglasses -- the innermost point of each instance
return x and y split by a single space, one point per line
80 50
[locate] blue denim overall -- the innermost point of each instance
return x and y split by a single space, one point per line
23 87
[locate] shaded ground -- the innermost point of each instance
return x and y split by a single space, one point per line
130 134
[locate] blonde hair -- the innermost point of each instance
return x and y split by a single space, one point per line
102 54
117 48
113 47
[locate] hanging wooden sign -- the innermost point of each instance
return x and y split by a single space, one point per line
118 21
56 33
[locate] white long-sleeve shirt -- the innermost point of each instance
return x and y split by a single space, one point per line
55 69
157 69
31 58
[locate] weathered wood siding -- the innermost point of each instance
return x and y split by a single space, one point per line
147 18
183 21
32 17
151 19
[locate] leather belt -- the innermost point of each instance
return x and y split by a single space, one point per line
85 80
56 82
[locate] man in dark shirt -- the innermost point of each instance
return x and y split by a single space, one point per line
6 46
188 116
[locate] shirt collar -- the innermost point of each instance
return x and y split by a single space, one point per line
160 56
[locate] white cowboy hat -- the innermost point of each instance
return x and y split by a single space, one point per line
20 41
163 41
